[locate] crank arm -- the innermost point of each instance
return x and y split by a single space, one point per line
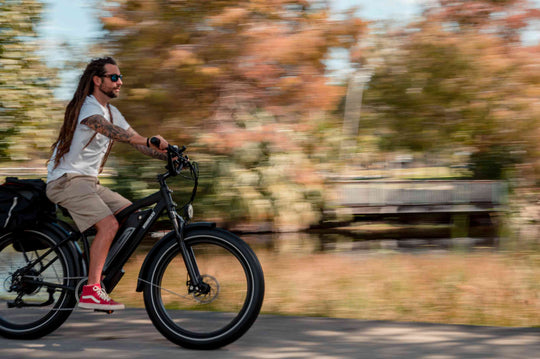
49 285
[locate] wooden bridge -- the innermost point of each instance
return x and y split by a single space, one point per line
368 197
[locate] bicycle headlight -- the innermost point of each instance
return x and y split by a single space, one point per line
189 211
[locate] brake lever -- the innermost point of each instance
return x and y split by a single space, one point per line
176 160
178 151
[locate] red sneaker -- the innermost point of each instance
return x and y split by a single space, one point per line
94 297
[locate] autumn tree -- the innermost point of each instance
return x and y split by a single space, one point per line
504 18
194 62
27 106
451 84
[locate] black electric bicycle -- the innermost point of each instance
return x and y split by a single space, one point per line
203 287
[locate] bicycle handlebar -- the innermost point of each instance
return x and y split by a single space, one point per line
176 160
174 149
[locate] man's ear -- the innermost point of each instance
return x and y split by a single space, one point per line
97 80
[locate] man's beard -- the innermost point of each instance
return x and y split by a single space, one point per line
111 93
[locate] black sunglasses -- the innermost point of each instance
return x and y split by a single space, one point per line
114 77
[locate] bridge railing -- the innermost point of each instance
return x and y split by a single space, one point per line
420 196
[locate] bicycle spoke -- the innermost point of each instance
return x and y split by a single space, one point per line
165 289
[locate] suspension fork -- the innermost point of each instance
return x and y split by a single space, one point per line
195 281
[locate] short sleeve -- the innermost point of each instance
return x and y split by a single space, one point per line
118 118
88 109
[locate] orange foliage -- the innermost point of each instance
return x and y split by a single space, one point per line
267 54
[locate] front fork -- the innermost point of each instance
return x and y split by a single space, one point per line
195 282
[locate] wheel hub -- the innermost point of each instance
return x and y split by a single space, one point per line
209 290
25 281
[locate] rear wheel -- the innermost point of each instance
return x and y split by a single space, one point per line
228 302
34 295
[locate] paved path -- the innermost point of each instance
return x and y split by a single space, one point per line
130 334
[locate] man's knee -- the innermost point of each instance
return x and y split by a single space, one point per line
108 225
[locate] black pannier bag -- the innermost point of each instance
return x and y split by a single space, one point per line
23 204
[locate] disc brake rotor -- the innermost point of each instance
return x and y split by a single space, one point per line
206 298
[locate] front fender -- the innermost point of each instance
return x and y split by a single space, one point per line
145 268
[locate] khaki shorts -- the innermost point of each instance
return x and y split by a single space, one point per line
87 201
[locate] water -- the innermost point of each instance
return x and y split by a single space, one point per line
382 236
313 242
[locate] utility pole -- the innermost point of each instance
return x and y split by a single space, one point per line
353 107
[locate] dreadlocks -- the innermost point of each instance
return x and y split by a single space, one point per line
85 88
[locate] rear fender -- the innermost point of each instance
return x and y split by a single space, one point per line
63 230
145 268
59 232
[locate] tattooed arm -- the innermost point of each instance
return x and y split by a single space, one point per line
149 151
99 124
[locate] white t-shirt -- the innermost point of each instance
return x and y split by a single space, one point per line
86 161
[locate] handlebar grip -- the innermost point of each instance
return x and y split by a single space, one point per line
155 141
174 150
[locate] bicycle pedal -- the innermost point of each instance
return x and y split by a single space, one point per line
104 311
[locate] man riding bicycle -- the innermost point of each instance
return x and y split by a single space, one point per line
90 126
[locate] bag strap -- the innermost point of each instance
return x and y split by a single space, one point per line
111 142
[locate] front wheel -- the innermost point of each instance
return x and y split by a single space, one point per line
217 314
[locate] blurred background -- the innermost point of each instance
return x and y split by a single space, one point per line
392 145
